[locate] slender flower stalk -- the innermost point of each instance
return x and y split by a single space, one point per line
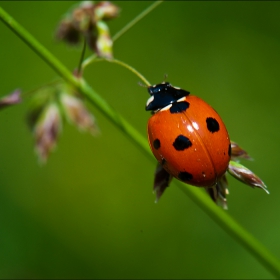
136 19
128 67
79 69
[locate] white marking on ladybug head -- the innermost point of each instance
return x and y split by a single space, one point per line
182 99
166 107
150 100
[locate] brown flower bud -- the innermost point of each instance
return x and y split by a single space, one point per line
219 192
245 175
162 181
76 23
11 99
68 32
238 153
77 114
82 18
105 10
38 103
46 131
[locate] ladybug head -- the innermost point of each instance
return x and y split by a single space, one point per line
162 95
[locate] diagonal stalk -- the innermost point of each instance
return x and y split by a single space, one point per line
249 242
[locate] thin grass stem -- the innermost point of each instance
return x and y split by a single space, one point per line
82 57
135 20
125 65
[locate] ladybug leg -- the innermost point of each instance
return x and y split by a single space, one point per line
222 188
219 192
162 181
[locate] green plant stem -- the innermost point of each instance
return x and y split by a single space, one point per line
135 20
220 216
82 57
123 64
91 58
131 69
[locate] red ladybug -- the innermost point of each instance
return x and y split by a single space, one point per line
187 136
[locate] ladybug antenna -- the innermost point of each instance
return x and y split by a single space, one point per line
165 77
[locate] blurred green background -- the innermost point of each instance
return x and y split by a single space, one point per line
90 211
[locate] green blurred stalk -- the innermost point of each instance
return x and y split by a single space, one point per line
248 241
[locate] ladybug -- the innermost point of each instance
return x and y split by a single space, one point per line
187 137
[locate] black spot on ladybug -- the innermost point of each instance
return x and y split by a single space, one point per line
163 161
179 107
181 143
156 144
229 150
212 125
185 176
